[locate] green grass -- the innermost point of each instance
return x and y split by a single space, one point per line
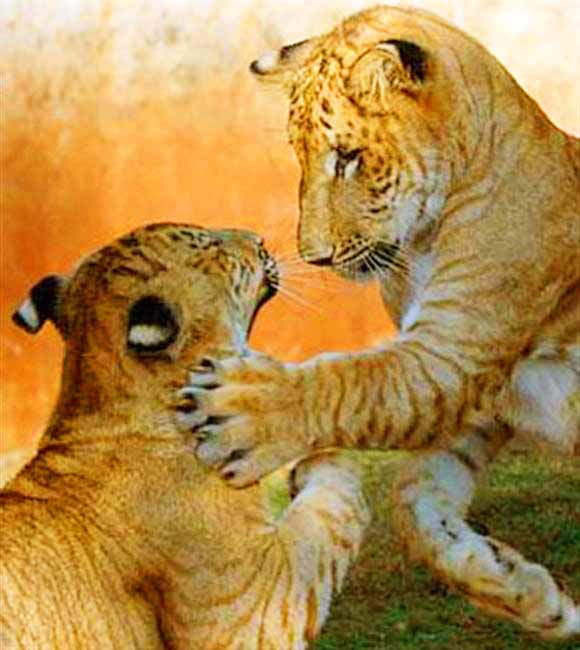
531 503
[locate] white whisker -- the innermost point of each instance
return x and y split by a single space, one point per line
305 285
289 258
297 298
301 268
305 274
295 260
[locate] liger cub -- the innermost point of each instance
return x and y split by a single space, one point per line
114 535
427 168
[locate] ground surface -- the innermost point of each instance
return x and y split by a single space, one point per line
533 503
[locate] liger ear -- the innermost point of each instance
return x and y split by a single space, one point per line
390 66
41 304
152 325
279 66
412 57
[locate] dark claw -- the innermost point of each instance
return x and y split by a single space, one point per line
292 487
202 433
188 396
196 427
211 386
237 454
217 419
206 365
188 407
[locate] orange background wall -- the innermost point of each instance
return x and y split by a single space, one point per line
113 114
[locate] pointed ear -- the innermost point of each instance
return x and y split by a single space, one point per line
42 304
279 66
390 66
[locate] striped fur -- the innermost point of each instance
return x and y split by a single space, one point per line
114 535
426 167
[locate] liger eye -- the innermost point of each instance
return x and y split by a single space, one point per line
152 325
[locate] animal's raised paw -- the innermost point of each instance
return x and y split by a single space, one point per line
243 414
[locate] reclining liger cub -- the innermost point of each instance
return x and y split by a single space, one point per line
114 536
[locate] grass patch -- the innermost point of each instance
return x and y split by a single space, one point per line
529 502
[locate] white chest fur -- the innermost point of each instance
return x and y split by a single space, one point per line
545 399
418 281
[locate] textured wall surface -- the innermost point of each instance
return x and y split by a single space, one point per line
118 112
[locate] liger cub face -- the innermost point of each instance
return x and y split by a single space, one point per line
155 298
372 142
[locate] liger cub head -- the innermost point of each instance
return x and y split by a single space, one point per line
385 112
147 306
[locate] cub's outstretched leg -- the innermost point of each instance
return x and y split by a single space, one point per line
297 564
431 498
323 529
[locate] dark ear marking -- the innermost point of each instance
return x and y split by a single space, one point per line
284 61
152 326
286 51
413 58
41 304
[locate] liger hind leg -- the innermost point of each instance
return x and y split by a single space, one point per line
431 498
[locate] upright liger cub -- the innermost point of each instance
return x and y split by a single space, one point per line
426 167
114 535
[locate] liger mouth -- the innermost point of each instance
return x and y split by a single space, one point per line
269 287
371 263
271 281
266 293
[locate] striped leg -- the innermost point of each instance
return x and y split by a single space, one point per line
322 530
276 594
431 499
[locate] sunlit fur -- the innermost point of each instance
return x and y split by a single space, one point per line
114 535
464 203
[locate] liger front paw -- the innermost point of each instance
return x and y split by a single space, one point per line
245 416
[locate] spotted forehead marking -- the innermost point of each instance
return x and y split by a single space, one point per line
322 112
156 248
